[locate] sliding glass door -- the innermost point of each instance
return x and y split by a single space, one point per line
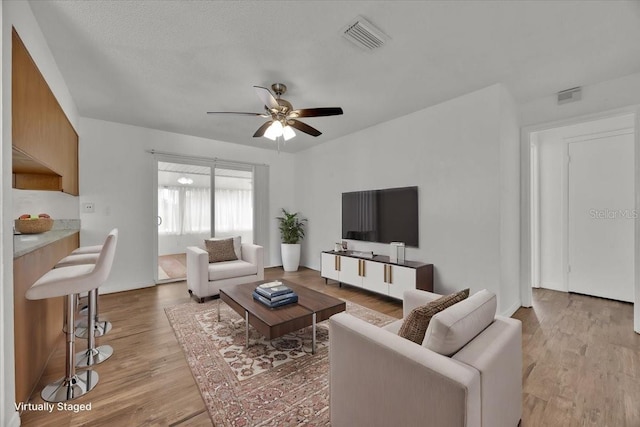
184 215
200 199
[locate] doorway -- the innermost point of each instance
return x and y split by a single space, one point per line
582 207
189 211
184 215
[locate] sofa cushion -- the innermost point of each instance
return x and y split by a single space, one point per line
229 269
237 244
220 250
454 327
415 324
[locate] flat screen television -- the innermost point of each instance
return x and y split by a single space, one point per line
383 216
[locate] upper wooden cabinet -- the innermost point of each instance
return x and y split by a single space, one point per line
45 145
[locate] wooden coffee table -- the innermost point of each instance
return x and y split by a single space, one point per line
312 307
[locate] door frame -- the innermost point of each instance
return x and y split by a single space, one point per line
527 227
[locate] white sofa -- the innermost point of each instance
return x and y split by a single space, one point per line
205 280
474 379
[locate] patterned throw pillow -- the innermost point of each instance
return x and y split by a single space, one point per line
220 250
415 325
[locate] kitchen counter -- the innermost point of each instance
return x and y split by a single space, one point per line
26 243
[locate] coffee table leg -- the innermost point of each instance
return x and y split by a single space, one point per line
246 333
313 340
218 309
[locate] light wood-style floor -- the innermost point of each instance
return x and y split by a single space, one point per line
581 361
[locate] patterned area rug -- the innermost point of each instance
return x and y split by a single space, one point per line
277 383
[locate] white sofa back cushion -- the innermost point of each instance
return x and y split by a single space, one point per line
454 327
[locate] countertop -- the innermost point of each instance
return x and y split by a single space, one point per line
25 243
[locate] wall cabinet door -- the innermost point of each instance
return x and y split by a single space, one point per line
373 278
330 266
400 279
350 271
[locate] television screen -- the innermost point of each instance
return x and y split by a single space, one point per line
383 216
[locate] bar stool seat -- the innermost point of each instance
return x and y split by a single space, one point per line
68 282
77 259
95 249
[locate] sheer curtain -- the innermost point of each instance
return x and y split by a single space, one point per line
169 210
233 210
197 210
184 210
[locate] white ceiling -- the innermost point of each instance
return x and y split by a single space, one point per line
163 64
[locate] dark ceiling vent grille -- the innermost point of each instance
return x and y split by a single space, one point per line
364 34
570 95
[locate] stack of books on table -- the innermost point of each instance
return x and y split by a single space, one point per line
274 294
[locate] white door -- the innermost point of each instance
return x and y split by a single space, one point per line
601 217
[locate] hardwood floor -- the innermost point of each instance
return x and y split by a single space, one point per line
581 360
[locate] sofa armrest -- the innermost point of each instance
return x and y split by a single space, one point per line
254 254
197 270
378 378
413 298
497 354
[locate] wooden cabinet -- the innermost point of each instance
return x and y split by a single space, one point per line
377 274
45 145
38 323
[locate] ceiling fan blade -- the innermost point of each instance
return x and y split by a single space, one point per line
303 127
238 113
316 112
262 129
266 97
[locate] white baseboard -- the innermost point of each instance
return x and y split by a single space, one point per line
123 287
509 311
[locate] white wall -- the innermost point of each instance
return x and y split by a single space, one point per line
18 14
453 153
116 173
596 98
55 203
509 203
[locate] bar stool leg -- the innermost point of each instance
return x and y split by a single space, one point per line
101 327
74 384
93 355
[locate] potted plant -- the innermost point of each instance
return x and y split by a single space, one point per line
292 232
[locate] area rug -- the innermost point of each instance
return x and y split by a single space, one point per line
277 383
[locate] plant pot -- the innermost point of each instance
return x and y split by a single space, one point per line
290 256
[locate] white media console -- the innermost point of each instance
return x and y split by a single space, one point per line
377 274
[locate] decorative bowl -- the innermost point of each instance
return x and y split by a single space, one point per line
33 226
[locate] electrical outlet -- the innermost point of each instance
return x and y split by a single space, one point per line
88 207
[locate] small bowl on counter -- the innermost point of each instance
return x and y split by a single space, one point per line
34 225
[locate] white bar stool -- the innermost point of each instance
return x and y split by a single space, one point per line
94 354
101 327
68 282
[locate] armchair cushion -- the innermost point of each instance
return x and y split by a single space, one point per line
227 269
415 324
454 327
220 250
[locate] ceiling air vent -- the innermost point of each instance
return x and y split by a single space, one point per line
570 95
364 34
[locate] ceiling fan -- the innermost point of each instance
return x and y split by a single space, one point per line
283 118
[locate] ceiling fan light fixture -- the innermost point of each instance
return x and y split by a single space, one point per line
274 131
288 133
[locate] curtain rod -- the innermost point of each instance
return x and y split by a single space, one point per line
201 158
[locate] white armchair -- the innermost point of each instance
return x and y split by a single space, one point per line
205 280
378 378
